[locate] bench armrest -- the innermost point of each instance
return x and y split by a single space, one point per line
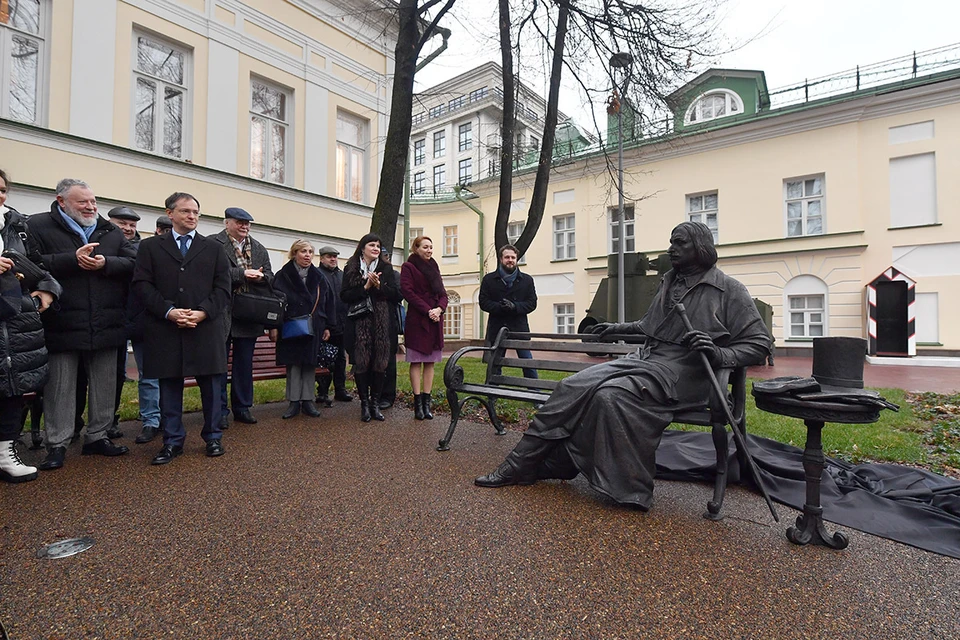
453 372
735 380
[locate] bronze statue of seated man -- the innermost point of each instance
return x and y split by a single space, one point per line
606 421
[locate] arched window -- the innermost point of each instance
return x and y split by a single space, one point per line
453 317
712 105
805 308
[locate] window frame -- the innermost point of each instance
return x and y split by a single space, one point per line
805 201
703 213
565 239
43 40
186 127
289 133
565 311
629 231
419 182
419 152
461 165
414 232
512 238
439 171
806 311
453 316
439 150
465 142
353 149
694 113
451 241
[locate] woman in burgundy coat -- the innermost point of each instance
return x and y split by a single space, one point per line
422 287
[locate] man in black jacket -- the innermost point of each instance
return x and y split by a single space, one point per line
508 296
183 279
93 262
330 269
249 271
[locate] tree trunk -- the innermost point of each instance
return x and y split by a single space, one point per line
507 129
538 200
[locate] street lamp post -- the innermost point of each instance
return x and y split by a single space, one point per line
622 60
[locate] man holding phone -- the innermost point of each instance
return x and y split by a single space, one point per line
93 261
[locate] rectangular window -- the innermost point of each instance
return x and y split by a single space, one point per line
351 156
465 171
564 318
465 135
913 190
613 215
23 49
437 111
455 104
803 200
270 122
478 94
806 316
419 151
704 208
418 182
453 316
439 144
160 81
439 177
450 247
415 232
927 309
564 237
535 143
514 231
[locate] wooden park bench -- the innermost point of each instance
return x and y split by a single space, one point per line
548 349
265 367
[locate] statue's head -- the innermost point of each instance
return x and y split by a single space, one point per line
699 254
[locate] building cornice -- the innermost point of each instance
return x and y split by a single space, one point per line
68 143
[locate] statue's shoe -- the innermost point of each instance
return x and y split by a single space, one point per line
503 476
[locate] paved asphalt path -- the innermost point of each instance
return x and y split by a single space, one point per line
330 528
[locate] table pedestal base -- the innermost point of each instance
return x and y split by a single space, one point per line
809 528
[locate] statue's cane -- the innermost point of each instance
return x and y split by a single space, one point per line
734 425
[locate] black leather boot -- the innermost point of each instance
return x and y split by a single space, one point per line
363 390
323 390
376 392
418 406
425 403
292 410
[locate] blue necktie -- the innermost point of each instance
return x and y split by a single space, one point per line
184 244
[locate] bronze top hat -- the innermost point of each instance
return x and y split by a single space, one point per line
838 362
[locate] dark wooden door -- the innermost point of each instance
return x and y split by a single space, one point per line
892 318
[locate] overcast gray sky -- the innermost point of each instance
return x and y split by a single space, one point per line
789 40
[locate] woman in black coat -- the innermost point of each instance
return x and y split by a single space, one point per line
308 295
368 280
23 354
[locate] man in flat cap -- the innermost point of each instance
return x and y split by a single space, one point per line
164 225
249 271
330 269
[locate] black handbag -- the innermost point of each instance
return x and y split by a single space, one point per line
258 308
360 309
327 355
26 270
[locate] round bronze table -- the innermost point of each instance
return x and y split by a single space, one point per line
815 414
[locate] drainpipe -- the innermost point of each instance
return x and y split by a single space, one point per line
481 258
445 34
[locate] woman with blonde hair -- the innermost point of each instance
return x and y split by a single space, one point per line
309 303
422 287
370 289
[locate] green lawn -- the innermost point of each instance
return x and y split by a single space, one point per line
930 439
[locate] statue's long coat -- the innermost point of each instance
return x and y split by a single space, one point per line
611 416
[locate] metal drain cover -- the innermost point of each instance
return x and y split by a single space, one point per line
65 548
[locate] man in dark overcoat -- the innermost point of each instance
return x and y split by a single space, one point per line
508 295
606 421
93 262
249 271
183 279
330 270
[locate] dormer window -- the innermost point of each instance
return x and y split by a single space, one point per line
712 105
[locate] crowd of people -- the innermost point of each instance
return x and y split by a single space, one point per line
76 288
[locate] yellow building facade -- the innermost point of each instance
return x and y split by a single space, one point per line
841 213
276 106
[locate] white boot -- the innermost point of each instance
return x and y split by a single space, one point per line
12 468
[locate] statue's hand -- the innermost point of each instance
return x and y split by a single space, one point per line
702 342
605 330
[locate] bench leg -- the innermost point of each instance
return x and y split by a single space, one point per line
720 443
491 406
455 405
